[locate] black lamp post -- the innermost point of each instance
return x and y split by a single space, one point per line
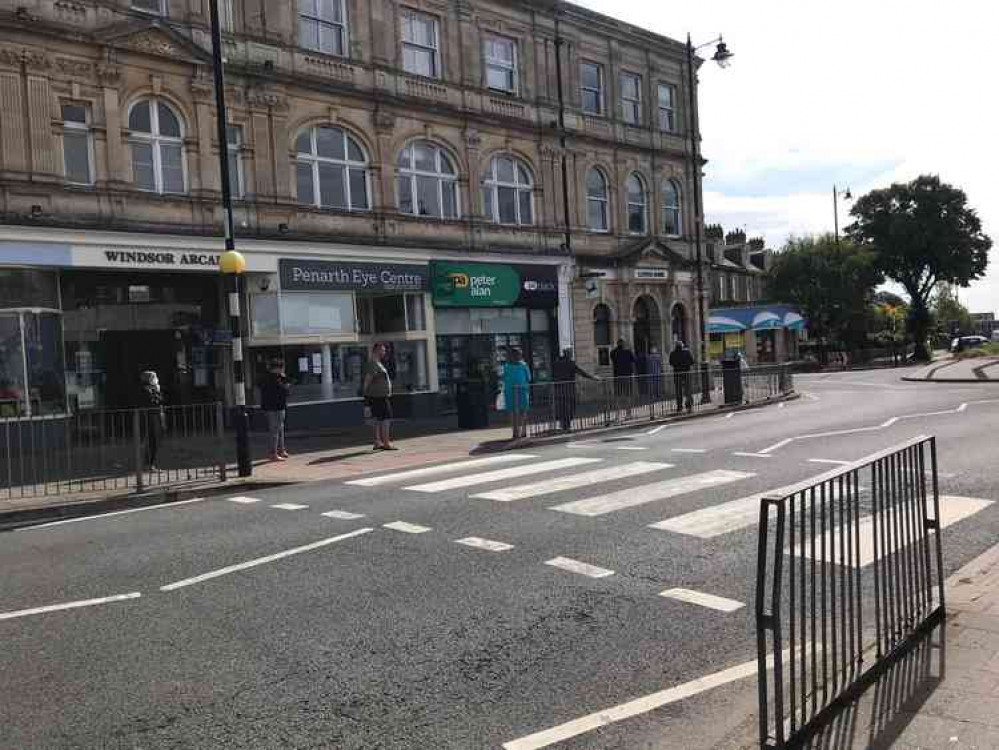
846 196
722 56
231 263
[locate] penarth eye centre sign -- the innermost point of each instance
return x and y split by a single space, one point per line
317 275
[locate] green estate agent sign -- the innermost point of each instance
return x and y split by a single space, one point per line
493 285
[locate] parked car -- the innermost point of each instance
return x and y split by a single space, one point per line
995 336
966 342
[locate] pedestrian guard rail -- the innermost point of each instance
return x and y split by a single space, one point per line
107 450
849 573
578 405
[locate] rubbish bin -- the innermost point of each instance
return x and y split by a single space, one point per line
472 397
732 381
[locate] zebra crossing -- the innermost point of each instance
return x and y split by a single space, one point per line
591 476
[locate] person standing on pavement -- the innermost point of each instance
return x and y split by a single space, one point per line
655 372
274 401
623 364
377 389
681 360
151 401
516 392
564 373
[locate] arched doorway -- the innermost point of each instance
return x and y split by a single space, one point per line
678 324
646 326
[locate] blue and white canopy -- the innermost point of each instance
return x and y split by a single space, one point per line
767 317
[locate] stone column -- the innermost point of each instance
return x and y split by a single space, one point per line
13 143
327 375
119 169
566 331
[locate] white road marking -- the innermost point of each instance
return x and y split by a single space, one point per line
496 476
953 508
289 506
601 504
575 566
781 405
403 476
572 481
67 605
657 430
730 415
581 444
407 528
638 706
746 454
705 600
243 500
829 461
708 523
343 515
113 513
777 445
688 450
631 447
262 560
486 544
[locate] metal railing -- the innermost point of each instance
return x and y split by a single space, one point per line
579 405
97 451
850 571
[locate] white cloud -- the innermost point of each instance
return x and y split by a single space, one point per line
857 92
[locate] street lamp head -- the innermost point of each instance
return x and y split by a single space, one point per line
722 56
232 262
848 195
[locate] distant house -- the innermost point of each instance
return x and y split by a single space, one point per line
742 318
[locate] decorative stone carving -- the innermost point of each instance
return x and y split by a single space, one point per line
73 67
384 119
473 138
70 12
108 75
329 68
266 99
153 42
15 57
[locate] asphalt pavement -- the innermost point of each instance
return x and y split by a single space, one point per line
517 601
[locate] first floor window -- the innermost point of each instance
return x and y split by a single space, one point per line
592 87
157 147
637 223
332 169
77 145
501 64
507 192
596 201
671 208
234 146
428 181
631 98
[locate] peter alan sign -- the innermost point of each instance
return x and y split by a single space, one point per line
494 285
315 275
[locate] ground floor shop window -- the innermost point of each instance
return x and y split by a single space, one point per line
766 346
331 372
32 371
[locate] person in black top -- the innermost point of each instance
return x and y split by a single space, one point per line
564 373
151 402
274 401
681 360
623 362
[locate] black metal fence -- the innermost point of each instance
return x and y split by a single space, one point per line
574 406
97 451
850 570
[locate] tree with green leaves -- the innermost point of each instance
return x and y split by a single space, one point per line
923 234
831 282
948 312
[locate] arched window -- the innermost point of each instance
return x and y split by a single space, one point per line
428 181
157 142
601 325
596 201
508 192
678 323
331 169
637 210
671 208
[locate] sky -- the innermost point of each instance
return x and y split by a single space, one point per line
852 93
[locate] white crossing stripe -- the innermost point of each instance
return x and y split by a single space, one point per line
746 454
727 517
486 544
405 476
243 500
343 515
705 600
834 461
953 508
688 450
572 481
407 528
289 506
575 566
68 605
597 506
631 447
500 474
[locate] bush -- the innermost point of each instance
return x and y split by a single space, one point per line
987 350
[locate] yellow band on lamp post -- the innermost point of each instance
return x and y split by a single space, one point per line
232 262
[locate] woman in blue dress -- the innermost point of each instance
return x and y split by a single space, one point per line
516 392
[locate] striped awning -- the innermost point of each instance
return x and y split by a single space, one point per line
762 318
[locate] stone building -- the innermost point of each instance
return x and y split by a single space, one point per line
398 173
